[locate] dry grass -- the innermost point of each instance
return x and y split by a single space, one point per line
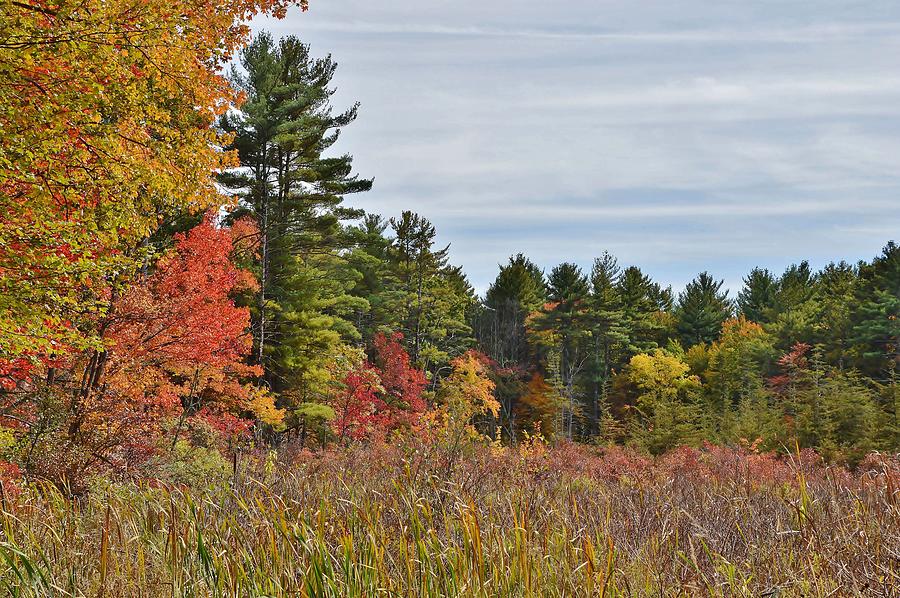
398 522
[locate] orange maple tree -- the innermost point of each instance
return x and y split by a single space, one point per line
174 346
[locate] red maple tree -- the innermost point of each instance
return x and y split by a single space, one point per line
376 398
403 383
174 346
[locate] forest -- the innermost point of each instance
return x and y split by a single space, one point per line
218 377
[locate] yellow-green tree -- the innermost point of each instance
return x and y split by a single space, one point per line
667 411
467 393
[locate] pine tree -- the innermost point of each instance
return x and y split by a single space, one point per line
643 302
756 301
518 291
562 327
294 193
430 299
832 411
734 383
794 313
371 258
877 313
702 309
609 333
834 300
876 328
795 286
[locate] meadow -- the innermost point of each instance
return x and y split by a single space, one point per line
415 521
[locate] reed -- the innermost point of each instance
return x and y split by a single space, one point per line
388 521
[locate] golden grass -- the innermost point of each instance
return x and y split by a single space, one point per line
391 522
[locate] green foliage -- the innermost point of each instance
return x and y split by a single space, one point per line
314 420
294 193
702 309
432 298
314 412
876 315
609 335
577 355
642 303
192 465
793 317
836 288
757 422
518 291
561 333
412 289
756 301
8 442
836 413
313 317
738 363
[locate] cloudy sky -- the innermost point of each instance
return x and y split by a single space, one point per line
678 135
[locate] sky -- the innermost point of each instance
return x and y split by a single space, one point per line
680 136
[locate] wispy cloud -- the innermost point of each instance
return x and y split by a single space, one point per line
679 135
673 212
827 32
706 91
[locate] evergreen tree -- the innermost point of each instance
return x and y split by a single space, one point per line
430 299
561 328
450 305
832 411
294 193
739 404
500 323
642 302
609 334
518 291
756 301
313 313
702 309
371 257
835 294
568 286
876 329
876 318
794 314
795 287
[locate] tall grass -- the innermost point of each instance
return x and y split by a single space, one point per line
390 522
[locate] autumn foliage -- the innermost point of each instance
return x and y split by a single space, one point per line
377 397
181 324
140 321
106 110
402 383
174 346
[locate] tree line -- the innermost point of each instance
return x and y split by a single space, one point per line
610 355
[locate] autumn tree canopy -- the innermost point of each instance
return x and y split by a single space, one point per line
105 112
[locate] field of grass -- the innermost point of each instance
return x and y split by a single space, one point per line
387 521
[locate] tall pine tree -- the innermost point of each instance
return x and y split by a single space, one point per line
294 192
757 299
609 334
